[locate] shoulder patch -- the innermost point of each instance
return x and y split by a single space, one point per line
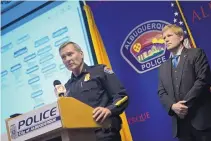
108 70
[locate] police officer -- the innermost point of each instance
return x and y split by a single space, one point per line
96 86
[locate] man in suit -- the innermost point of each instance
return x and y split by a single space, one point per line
184 82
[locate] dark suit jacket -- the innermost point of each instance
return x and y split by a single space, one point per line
195 81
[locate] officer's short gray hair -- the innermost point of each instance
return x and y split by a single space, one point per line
76 46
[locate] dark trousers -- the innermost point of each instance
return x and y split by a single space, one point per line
108 135
197 135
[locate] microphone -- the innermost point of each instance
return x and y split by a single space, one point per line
15 115
59 88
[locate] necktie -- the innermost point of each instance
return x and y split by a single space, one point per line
175 60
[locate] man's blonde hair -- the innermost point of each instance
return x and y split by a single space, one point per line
176 29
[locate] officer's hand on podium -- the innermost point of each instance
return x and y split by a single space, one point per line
100 114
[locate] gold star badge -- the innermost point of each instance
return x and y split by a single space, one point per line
87 77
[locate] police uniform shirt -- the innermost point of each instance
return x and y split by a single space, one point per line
98 86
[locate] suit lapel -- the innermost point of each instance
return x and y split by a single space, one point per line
169 76
183 58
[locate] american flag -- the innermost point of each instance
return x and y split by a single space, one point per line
177 19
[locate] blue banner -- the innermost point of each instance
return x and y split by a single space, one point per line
131 32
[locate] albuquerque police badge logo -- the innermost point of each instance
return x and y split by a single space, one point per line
144 48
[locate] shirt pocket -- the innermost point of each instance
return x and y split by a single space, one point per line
89 85
90 90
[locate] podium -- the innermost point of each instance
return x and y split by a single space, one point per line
65 120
